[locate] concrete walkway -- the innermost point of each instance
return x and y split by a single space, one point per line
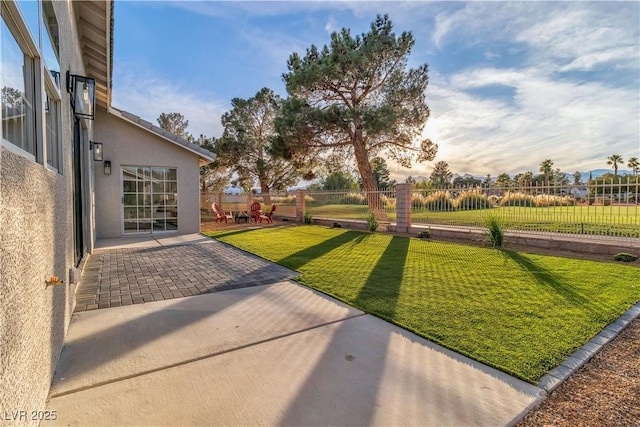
277 354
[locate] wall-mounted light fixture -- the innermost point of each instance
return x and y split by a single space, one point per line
97 150
83 95
107 167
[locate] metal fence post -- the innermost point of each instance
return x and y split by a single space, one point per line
403 208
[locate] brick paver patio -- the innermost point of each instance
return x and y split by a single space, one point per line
117 277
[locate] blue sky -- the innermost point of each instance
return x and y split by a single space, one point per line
511 83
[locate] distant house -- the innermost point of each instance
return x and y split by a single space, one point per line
70 172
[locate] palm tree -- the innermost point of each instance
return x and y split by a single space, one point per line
613 160
546 167
487 181
634 164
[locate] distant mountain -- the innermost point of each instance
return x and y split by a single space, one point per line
597 173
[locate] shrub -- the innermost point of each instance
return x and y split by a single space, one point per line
494 200
472 199
353 199
604 201
518 199
625 257
439 201
388 202
495 231
284 199
545 200
417 202
424 234
307 217
372 223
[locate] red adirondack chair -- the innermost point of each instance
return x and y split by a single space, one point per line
220 214
267 216
256 211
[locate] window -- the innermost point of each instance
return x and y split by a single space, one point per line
17 83
51 39
150 198
52 129
31 106
30 11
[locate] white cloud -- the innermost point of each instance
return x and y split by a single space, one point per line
147 96
584 38
575 124
480 22
331 25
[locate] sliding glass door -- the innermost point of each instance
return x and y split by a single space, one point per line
150 199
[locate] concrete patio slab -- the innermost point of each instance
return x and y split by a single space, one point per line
149 241
270 355
115 343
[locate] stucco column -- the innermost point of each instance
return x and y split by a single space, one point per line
299 205
403 208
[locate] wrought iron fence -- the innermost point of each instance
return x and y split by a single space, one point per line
285 202
602 209
350 205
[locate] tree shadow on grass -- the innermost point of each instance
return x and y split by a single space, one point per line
559 286
361 371
218 234
379 295
306 255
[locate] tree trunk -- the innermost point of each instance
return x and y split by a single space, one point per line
368 180
264 189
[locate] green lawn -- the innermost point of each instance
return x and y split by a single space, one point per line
518 312
623 221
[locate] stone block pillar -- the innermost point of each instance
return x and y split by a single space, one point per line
403 208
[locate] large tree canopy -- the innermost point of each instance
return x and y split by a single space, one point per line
175 123
246 140
214 176
441 174
356 96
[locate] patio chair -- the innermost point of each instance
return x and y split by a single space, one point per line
220 214
256 211
268 216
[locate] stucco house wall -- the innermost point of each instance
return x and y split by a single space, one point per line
36 242
128 144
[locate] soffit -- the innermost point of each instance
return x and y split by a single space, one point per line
95 33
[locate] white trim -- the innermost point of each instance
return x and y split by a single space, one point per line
17 22
10 146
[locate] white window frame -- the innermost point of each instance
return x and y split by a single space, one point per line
52 96
37 79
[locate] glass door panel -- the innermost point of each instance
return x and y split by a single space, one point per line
150 199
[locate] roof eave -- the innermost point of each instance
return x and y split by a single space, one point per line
205 156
